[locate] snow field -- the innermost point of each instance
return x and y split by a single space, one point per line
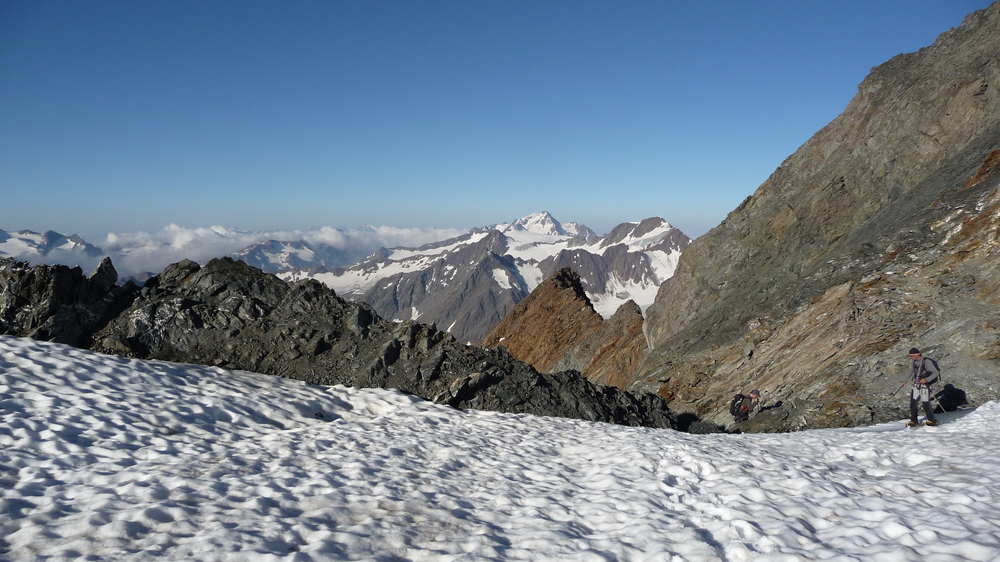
110 458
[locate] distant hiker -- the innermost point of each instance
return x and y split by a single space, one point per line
924 372
743 406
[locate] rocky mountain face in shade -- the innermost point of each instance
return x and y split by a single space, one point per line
59 303
879 234
234 316
467 284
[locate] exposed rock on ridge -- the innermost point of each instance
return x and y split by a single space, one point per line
234 316
58 303
543 327
612 353
556 328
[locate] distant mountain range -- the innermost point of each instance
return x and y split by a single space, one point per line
274 256
32 246
465 284
140 254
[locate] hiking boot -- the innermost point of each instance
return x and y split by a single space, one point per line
912 424
930 423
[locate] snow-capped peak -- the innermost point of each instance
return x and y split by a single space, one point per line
645 234
539 223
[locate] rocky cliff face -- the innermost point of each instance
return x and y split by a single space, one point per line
235 316
612 353
553 319
873 237
556 328
59 303
466 293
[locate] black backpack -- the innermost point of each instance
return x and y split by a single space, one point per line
940 375
734 406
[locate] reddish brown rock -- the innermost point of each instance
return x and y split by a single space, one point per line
612 353
556 328
552 320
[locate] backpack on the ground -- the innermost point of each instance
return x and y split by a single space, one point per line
736 405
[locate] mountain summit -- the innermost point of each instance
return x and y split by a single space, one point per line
538 223
48 246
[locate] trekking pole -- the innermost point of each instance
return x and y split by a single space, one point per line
901 385
938 402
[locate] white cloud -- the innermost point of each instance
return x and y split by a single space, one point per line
142 251
137 252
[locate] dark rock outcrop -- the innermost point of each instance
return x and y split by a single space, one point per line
58 303
234 316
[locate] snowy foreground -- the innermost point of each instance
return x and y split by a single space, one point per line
105 458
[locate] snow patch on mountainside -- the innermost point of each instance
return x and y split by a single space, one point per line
502 279
362 277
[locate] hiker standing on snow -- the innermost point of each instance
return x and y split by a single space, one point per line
923 373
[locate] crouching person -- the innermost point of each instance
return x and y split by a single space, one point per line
743 406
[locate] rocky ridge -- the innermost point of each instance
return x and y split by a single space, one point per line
556 328
59 303
231 315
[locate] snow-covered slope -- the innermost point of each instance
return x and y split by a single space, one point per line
469 283
105 458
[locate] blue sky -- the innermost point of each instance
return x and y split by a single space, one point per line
129 116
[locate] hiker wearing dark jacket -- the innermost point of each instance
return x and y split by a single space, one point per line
924 372
748 405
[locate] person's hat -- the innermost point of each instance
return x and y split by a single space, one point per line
755 392
914 351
